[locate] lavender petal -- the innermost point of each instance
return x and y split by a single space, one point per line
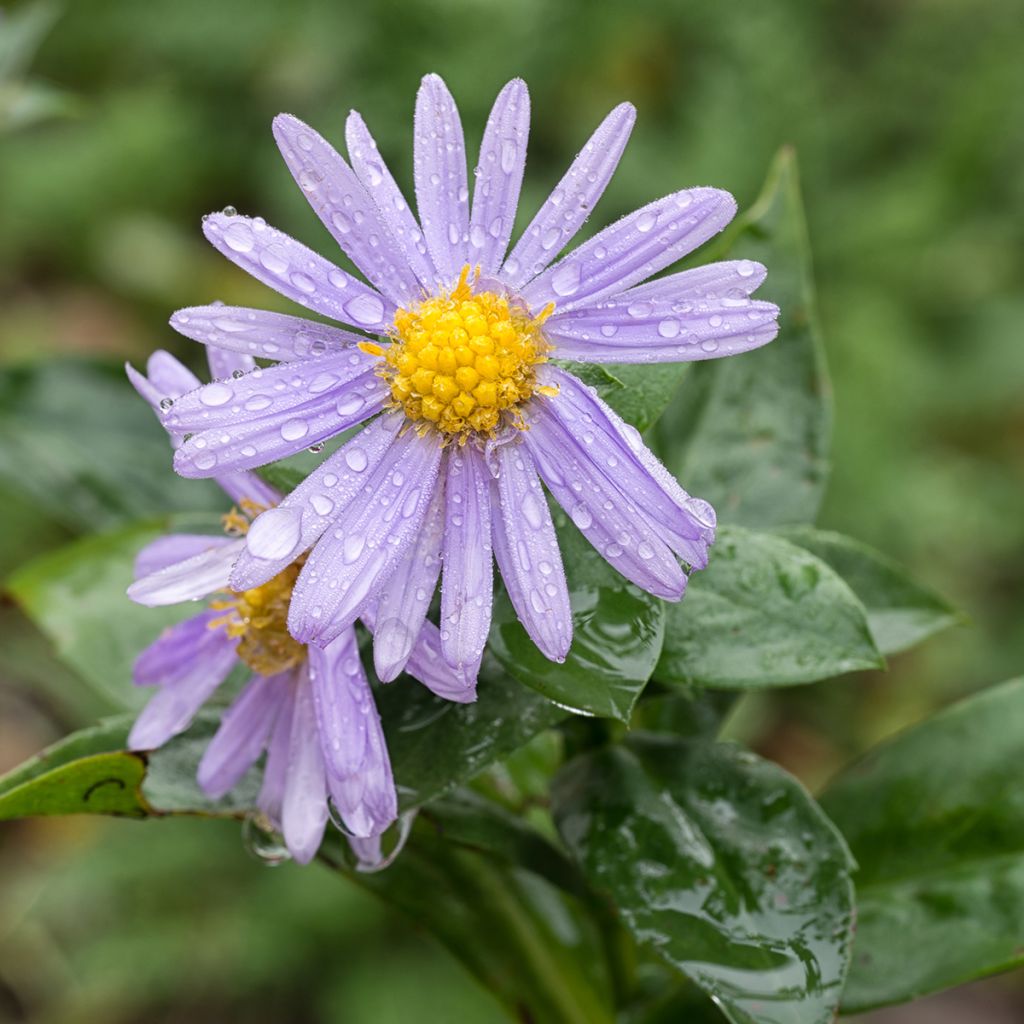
304 806
728 279
572 200
173 548
195 577
275 772
343 703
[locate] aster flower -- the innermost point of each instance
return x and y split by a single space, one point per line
451 361
309 708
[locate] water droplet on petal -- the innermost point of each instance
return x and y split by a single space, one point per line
294 430
274 534
566 279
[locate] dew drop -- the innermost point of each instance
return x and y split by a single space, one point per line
645 221
365 309
352 547
581 517
294 430
668 328
238 237
566 279
274 534
215 394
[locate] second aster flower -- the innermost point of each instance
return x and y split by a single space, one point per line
453 370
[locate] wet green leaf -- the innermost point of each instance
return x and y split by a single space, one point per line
76 595
98 456
764 613
721 863
618 631
751 434
639 394
935 818
901 613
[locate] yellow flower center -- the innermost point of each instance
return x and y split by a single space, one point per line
463 361
259 617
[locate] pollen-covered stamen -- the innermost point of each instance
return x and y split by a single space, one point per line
259 617
464 361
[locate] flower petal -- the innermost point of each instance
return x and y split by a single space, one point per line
394 210
195 577
367 800
632 249
340 201
275 772
224 365
616 449
175 547
265 391
426 664
526 549
282 432
278 536
350 564
405 598
296 272
442 192
467 583
304 805
611 522
573 199
188 663
242 736
729 279
343 703
627 330
499 176
257 332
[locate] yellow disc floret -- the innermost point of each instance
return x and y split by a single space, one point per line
259 617
463 361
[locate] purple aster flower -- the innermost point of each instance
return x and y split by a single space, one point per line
447 350
309 708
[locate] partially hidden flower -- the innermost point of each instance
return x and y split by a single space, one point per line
309 708
452 363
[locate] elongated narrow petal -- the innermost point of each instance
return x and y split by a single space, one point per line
275 772
729 279
175 547
468 578
173 653
243 735
426 664
297 272
304 807
625 330
198 576
573 199
278 536
224 365
499 176
442 192
526 549
278 434
346 209
374 174
633 249
367 799
611 522
344 704
184 686
616 449
259 333
405 598
368 540
264 392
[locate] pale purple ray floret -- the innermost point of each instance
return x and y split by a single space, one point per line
462 439
315 718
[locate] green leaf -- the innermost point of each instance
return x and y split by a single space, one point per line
618 631
764 613
722 864
901 613
98 456
751 434
76 595
537 949
935 818
638 393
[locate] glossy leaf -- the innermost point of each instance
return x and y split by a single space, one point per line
98 456
901 613
76 595
723 864
537 949
764 613
935 818
751 434
618 631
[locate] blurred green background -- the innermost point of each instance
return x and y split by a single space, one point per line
121 123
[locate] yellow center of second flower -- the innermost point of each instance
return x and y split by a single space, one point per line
463 361
259 617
